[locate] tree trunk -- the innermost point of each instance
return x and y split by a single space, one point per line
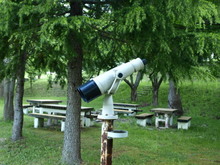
1 89
71 154
134 93
174 100
18 110
155 91
156 82
8 99
133 86
71 150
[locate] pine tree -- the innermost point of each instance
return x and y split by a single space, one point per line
171 35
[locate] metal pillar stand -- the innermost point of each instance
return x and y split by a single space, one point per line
106 143
107 116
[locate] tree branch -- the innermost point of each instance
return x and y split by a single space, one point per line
107 34
138 78
127 82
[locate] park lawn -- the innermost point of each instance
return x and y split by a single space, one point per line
144 145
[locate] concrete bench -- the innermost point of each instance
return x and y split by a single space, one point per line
57 109
184 122
144 118
89 119
39 119
27 108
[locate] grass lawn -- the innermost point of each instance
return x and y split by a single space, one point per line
200 145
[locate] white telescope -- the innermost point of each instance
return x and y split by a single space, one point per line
108 82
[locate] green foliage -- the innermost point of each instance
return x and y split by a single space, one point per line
172 35
19 28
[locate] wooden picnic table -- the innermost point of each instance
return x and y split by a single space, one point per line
164 115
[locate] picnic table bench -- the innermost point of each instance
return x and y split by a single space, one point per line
184 122
27 108
126 108
56 111
61 109
39 119
144 119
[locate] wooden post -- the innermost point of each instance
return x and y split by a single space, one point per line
106 143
